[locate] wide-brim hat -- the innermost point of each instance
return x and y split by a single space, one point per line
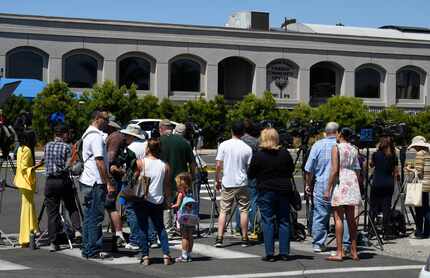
180 129
134 130
419 141
114 124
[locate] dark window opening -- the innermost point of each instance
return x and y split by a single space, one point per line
80 71
408 85
25 64
367 83
134 70
185 76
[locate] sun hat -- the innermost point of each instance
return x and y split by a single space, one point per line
134 130
180 129
113 123
419 141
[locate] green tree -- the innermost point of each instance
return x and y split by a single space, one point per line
255 108
346 111
13 105
167 109
121 102
56 97
148 107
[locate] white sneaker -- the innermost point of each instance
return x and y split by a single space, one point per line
319 249
131 246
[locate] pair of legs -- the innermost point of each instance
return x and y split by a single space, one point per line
94 211
339 213
145 211
252 188
423 217
272 204
381 203
59 189
321 223
228 196
187 243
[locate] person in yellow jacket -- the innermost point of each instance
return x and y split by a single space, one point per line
25 180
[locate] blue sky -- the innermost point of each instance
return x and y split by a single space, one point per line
371 13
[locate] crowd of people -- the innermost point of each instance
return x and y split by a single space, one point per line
154 180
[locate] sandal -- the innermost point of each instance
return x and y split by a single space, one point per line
355 258
167 260
334 259
145 261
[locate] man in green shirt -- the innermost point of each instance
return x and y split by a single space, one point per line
176 152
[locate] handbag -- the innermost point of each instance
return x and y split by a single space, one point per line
138 188
414 192
294 197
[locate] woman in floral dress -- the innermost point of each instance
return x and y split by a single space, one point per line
344 190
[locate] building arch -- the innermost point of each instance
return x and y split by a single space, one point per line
27 62
369 81
235 77
410 82
82 68
282 78
187 73
325 81
136 68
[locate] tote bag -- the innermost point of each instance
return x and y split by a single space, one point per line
414 192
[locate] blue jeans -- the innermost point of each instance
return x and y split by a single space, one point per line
272 204
94 211
423 217
145 211
252 188
321 221
135 229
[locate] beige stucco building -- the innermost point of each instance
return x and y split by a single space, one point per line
299 63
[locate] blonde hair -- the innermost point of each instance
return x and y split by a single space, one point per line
269 139
183 181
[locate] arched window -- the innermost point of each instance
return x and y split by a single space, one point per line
325 82
367 83
408 83
185 75
26 63
81 69
235 78
135 70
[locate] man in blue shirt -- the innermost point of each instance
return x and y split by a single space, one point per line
318 166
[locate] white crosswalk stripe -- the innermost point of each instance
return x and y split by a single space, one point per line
8 266
198 249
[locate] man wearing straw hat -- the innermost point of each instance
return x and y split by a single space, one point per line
422 167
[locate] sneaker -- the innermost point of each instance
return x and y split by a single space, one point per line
120 242
131 246
244 242
319 248
154 245
268 259
54 247
218 242
101 256
183 259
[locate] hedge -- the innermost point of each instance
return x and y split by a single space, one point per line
213 117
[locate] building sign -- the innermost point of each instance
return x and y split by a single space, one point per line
277 77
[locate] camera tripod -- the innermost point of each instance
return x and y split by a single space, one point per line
203 180
3 185
66 225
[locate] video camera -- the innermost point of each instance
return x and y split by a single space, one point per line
369 135
304 130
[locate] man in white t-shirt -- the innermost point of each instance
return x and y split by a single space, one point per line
233 158
94 183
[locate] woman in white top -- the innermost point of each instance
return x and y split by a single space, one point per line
153 206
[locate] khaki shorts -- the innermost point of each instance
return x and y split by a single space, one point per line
229 195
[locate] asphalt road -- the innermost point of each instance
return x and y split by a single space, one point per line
232 261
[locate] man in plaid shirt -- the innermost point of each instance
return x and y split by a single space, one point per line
59 186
